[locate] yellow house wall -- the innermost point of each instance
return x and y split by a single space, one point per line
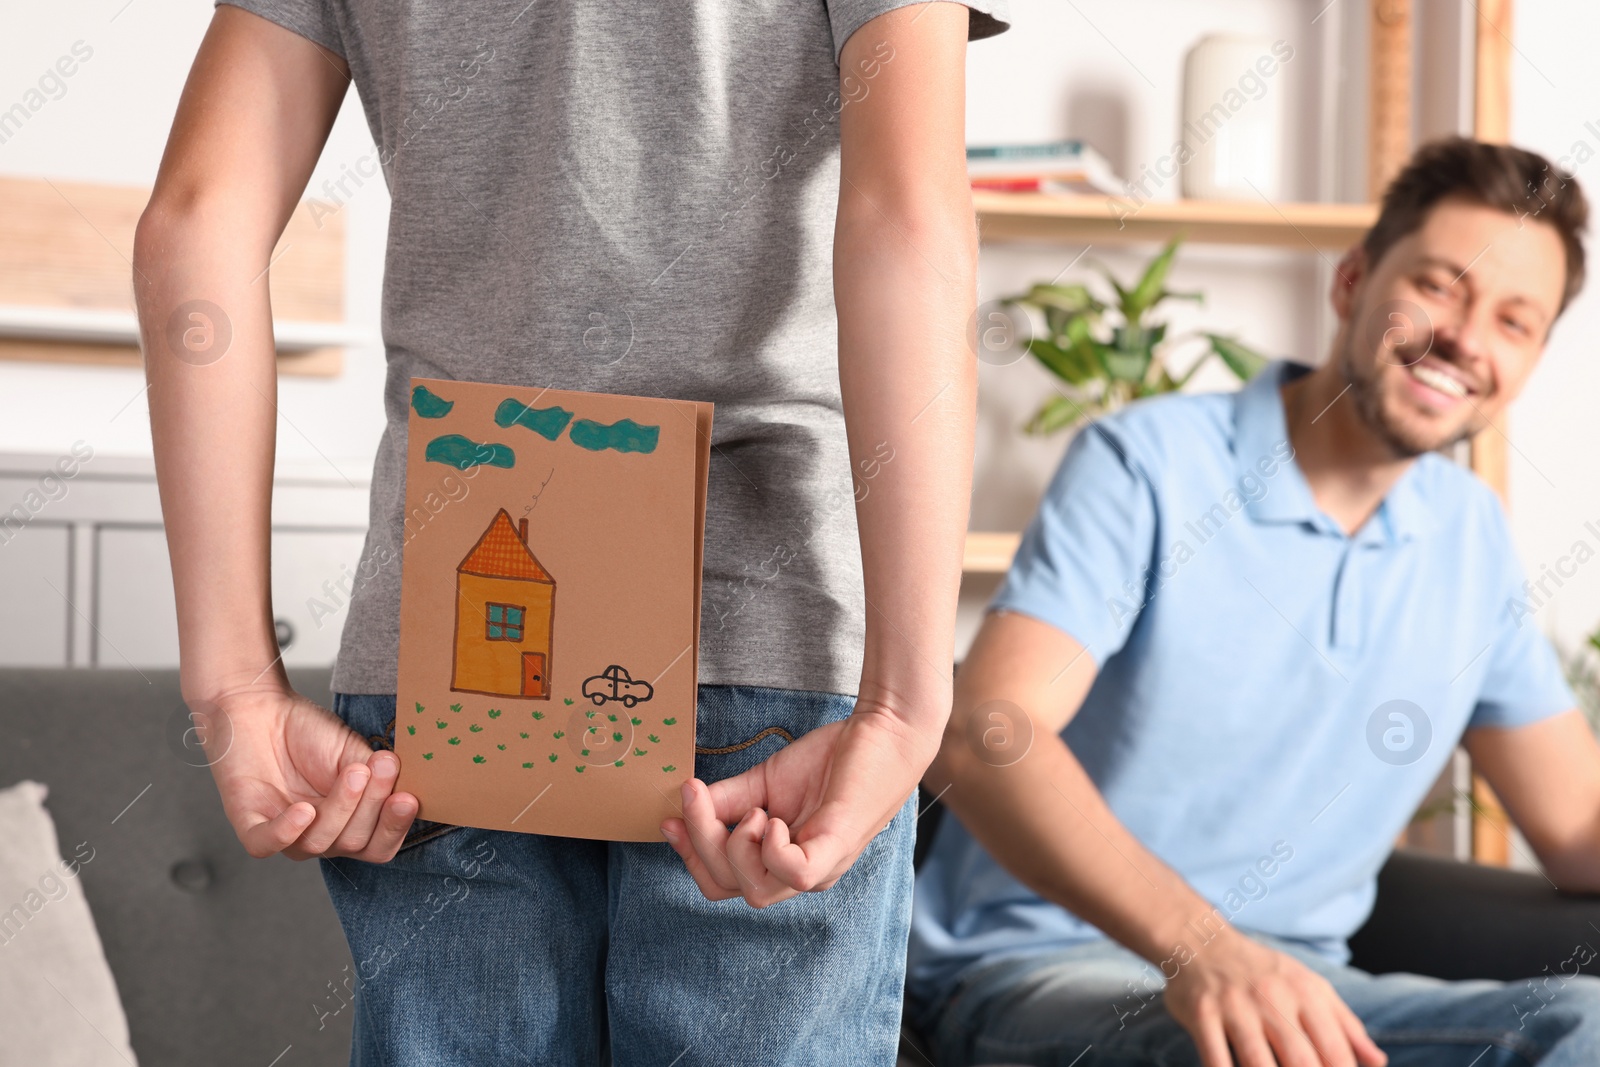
488 666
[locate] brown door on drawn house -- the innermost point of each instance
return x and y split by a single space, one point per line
533 679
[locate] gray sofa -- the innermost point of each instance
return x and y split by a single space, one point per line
219 958
222 959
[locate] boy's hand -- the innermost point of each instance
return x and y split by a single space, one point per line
1269 1008
804 815
295 779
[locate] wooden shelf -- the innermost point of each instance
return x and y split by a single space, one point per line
1109 220
989 553
66 251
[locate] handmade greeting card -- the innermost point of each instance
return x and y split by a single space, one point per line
550 607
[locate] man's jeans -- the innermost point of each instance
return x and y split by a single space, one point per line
487 948
1098 1004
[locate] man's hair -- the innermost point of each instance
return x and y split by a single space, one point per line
1512 180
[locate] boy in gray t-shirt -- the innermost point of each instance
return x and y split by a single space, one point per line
760 205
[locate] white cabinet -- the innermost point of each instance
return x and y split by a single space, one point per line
136 616
35 594
86 581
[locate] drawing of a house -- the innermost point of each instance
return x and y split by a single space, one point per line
505 608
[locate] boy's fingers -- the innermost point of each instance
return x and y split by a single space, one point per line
397 814
263 835
732 798
708 835
334 811
677 835
384 768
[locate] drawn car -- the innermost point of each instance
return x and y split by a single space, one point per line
614 683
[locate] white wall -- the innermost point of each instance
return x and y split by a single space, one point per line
1555 483
110 125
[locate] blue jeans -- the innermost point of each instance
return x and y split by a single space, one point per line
485 947
1098 1004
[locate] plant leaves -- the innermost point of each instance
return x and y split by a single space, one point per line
1147 294
1073 366
1245 362
1069 298
1056 414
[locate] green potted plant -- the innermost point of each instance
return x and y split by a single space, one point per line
1108 354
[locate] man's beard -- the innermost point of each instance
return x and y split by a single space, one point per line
1366 392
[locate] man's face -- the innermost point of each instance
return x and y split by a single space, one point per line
1441 333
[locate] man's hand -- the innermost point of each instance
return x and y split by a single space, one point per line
1269 1008
295 779
804 815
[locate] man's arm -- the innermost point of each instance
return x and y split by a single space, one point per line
1548 776
1043 819
252 120
905 285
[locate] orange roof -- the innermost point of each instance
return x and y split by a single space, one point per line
500 553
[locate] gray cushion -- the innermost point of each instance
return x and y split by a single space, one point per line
219 958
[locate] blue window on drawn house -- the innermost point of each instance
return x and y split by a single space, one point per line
505 622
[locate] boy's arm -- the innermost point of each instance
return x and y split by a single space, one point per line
250 124
905 261
1547 774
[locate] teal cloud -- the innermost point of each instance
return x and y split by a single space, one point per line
430 405
463 452
546 422
624 436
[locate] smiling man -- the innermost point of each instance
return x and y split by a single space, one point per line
1238 644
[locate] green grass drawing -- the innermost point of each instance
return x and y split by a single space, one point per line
527 766
640 751
479 759
669 722
553 757
617 764
612 718
583 752
502 748
588 714
560 734
475 728
615 736
454 741
669 768
524 735
538 715
654 740
427 755
566 700
637 721
419 707
579 768
494 713
440 723
455 707
411 729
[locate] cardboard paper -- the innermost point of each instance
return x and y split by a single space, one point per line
550 607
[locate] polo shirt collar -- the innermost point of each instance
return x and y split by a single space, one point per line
1261 431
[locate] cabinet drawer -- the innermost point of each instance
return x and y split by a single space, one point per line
137 617
35 581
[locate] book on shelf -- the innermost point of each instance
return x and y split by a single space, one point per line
1067 166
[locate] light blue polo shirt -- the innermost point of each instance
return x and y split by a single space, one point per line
1274 697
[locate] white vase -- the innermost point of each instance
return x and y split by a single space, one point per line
1233 93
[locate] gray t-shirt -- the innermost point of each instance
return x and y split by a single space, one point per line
626 198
